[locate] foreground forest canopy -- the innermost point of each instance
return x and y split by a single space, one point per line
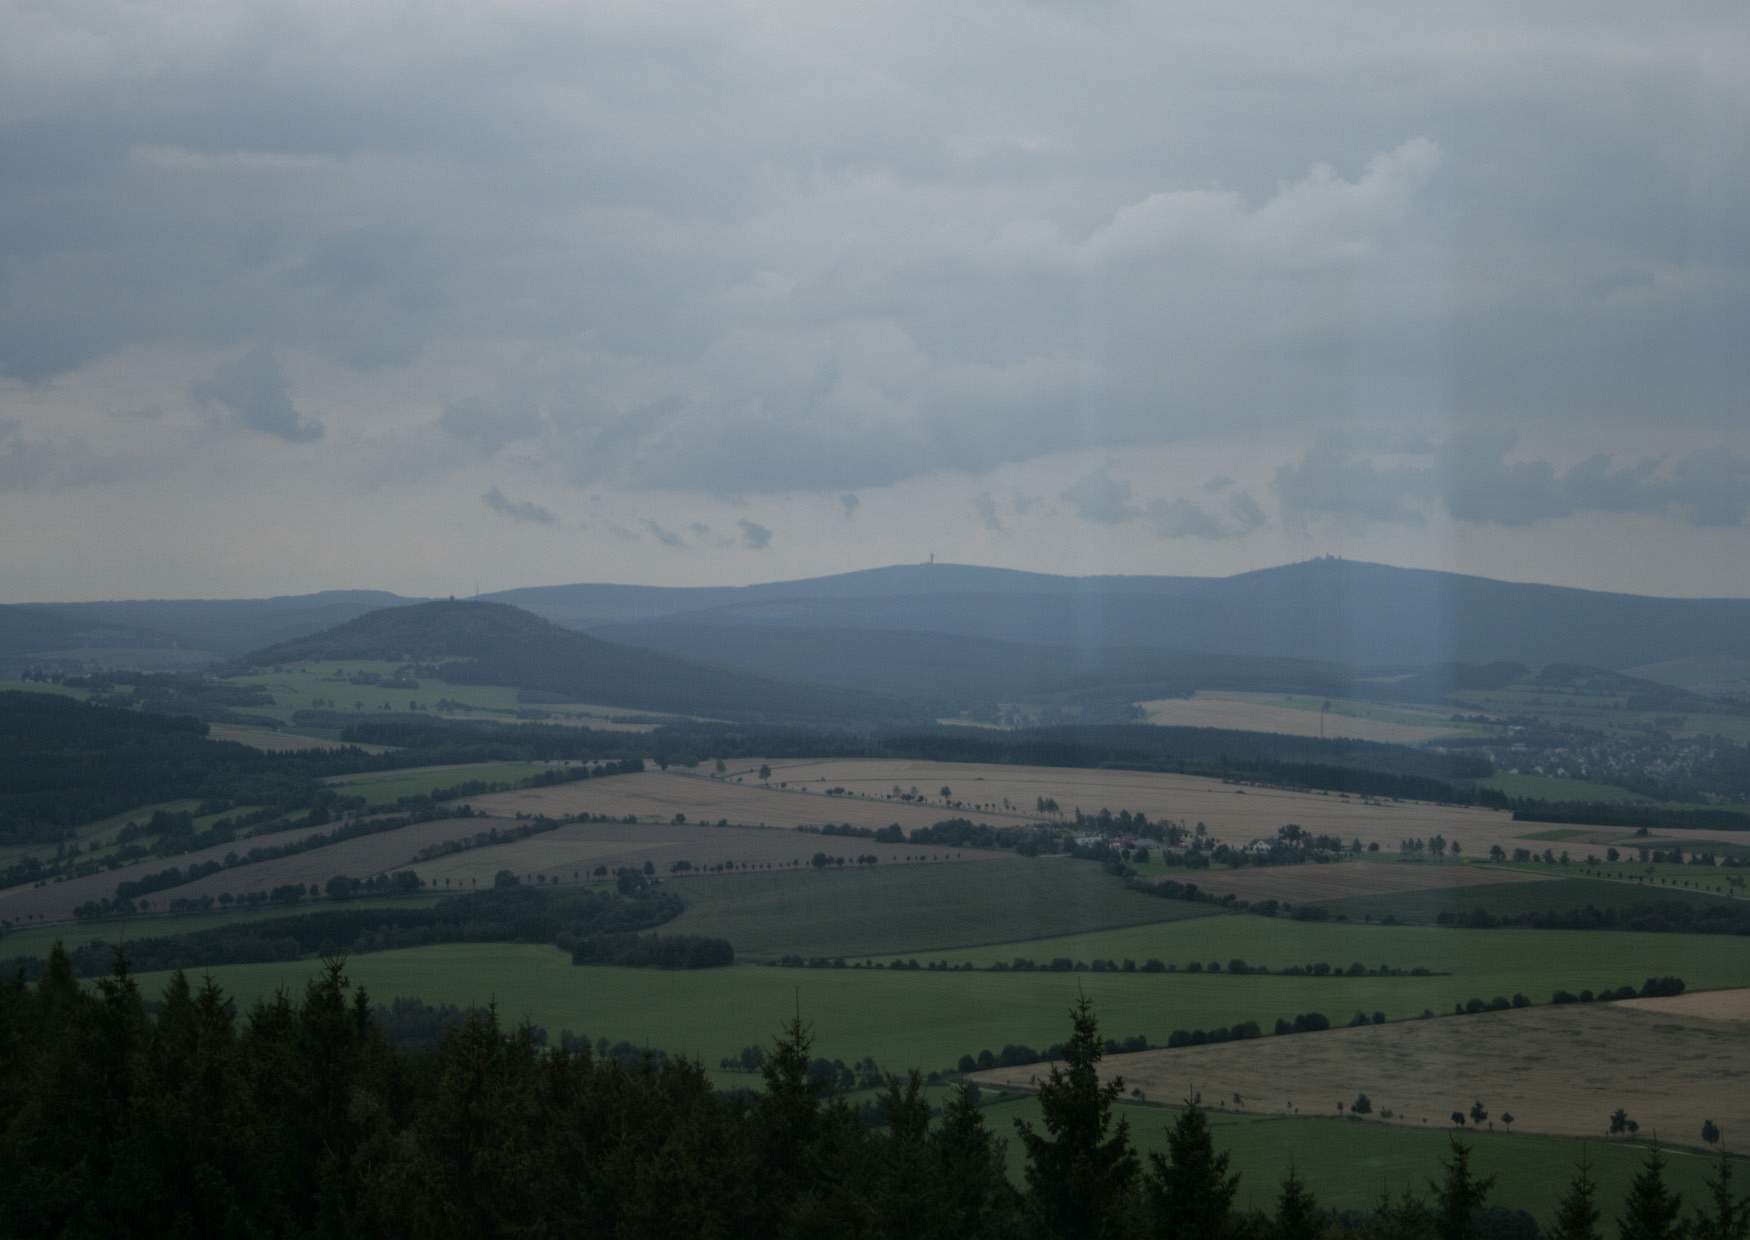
301 1119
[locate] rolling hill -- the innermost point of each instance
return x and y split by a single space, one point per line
475 642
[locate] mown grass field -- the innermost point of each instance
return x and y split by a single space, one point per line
1482 963
387 787
881 910
1350 1162
1558 788
1558 895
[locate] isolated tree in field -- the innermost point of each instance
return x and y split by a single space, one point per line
1729 1215
1651 1211
1710 1132
1619 1121
1507 1119
1477 1113
1298 1216
765 772
1460 1196
1577 1214
1082 1171
1458 1118
1363 1105
1190 1191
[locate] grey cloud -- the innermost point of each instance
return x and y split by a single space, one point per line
754 536
1473 477
849 502
1099 497
489 427
1182 518
253 390
662 534
986 507
519 510
29 460
1105 499
714 270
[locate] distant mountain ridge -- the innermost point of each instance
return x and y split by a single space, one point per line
1329 612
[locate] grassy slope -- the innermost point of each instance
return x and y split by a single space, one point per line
883 910
1349 1162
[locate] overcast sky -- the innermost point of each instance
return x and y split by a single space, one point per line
417 297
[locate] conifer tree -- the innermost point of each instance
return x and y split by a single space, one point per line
1460 1196
1729 1219
1082 1171
1651 1211
1190 1192
1297 1211
1577 1215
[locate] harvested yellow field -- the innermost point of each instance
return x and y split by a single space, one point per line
1232 812
1732 1005
657 796
1560 1070
1245 715
569 853
1301 883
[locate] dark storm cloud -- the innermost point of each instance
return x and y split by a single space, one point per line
253 392
520 510
1474 478
754 536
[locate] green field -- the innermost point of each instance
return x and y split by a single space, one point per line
324 686
387 787
1484 963
1649 881
1349 1162
929 1019
1558 895
1558 788
37 940
886 909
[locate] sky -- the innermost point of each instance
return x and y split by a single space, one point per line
433 298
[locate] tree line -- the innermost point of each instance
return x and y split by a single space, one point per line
303 1119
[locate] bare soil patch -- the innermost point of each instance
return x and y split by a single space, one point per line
1303 883
1199 711
1560 1070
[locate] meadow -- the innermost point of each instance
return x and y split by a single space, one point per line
1303 716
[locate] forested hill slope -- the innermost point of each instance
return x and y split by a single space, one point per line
477 642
